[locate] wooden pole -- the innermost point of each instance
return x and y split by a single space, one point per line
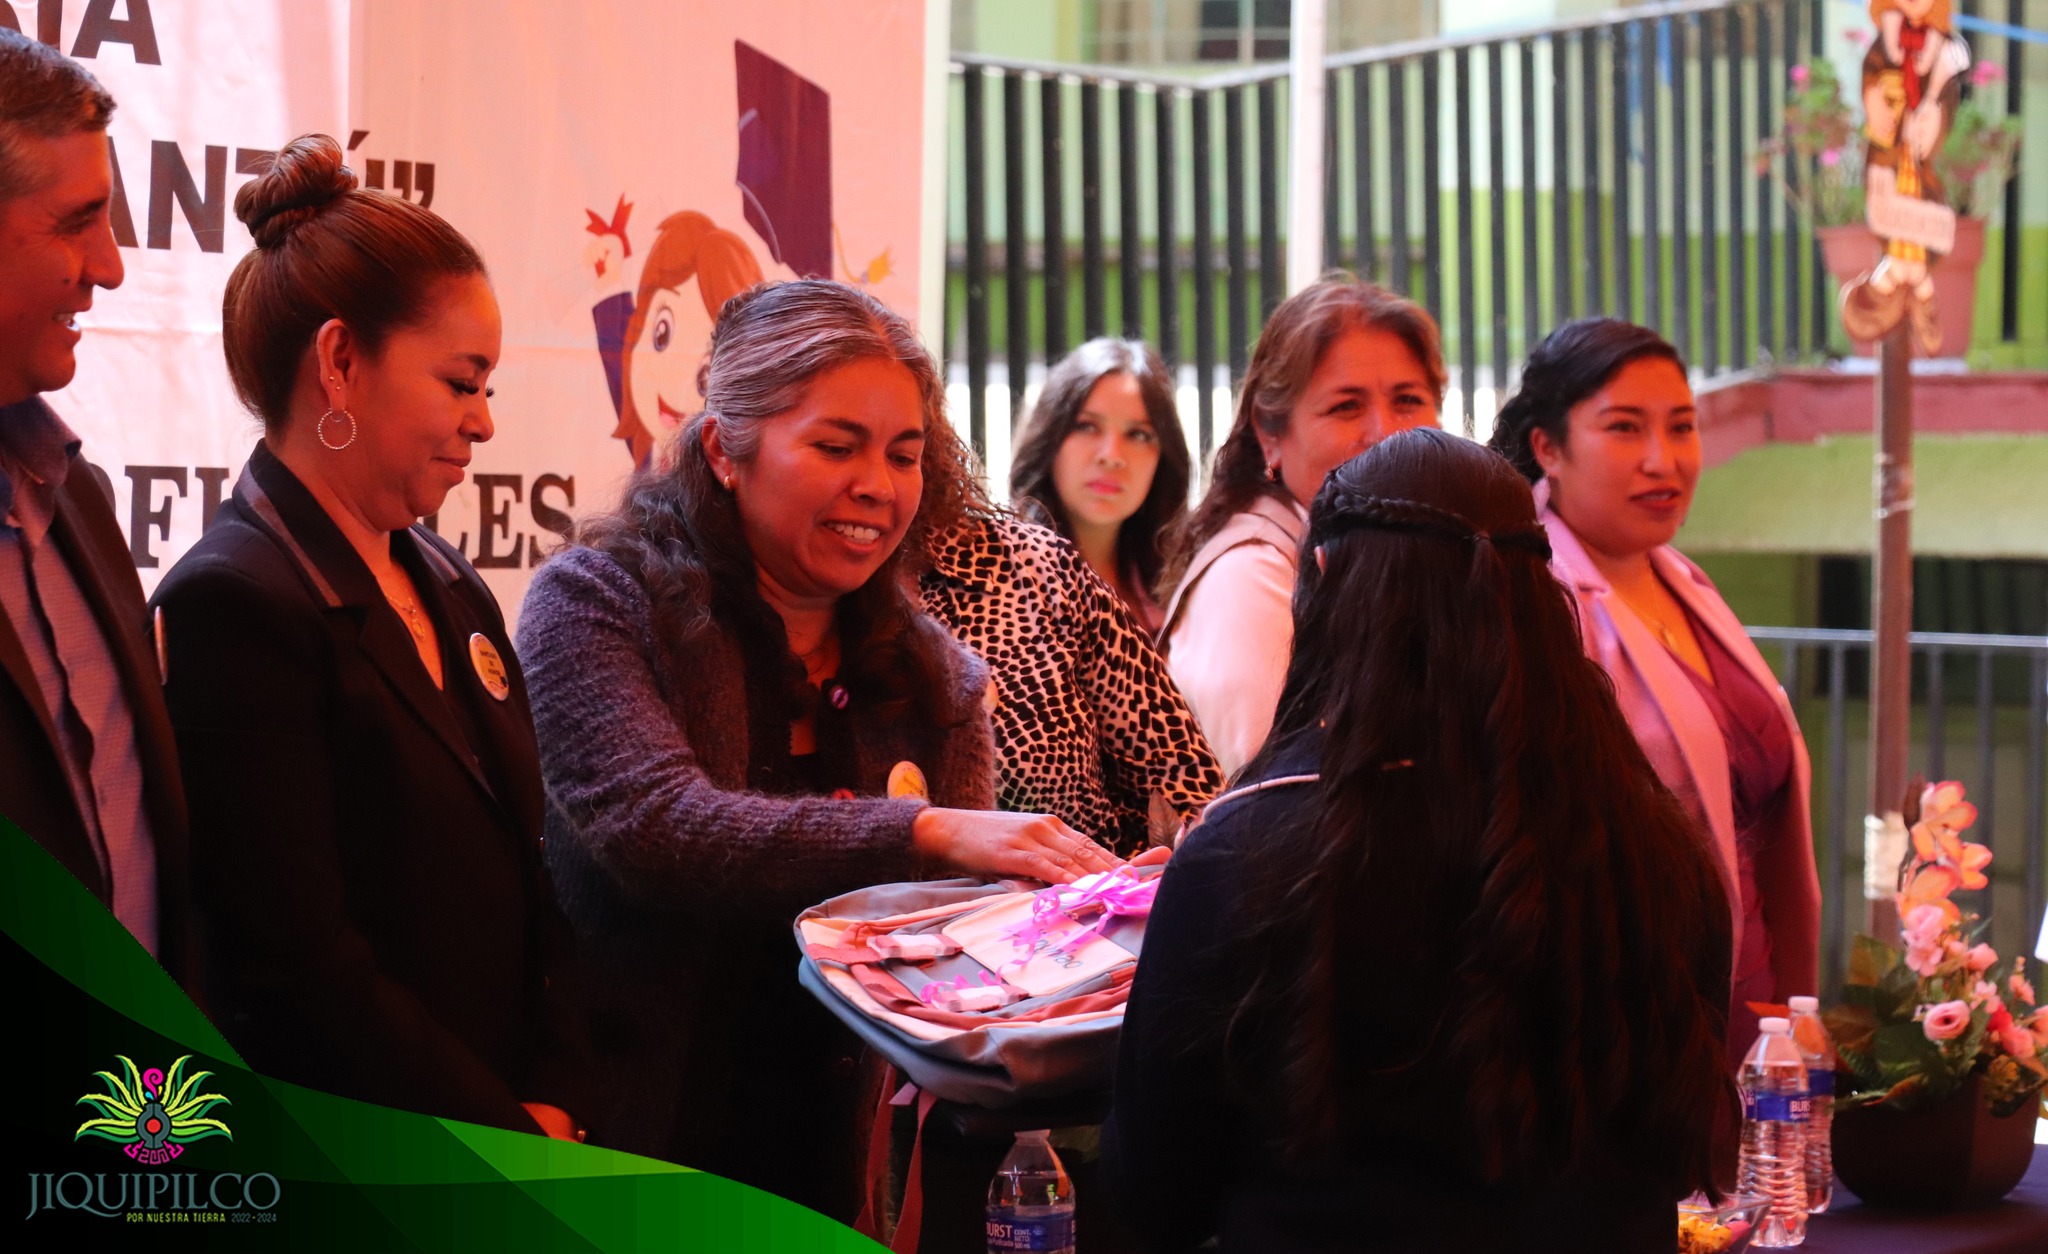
1891 606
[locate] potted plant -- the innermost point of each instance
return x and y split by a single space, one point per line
1823 170
1940 1044
1823 135
1979 152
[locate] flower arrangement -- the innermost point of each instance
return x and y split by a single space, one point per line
1916 1024
1981 147
1820 128
1826 135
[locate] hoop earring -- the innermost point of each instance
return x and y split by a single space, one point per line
1273 473
320 430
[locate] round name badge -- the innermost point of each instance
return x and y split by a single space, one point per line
490 668
905 780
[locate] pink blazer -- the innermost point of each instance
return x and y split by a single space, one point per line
1678 734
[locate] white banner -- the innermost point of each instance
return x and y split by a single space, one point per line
205 92
623 165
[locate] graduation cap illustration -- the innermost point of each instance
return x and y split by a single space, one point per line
785 165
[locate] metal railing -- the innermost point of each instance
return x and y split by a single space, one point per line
1992 731
1508 182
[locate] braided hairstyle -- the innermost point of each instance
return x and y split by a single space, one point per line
1486 836
1572 363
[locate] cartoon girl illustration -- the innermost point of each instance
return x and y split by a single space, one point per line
1912 82
652 343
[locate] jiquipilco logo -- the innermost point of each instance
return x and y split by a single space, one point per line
155 1117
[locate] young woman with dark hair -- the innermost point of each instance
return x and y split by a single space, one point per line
1103 461
1339 366
365 798
1604 425
1452 972
741 712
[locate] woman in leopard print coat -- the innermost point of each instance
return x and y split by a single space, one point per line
1088 724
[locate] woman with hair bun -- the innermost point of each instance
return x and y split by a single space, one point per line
1451 963
365 792
1604 425
1340 366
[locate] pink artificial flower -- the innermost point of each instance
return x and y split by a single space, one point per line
2012 1037
1928 890
1800 74
1980 957
2036 1025
1831 157
1983 991
1942 806
1944 1021
2021 987
1983 72
1924 933
1971 866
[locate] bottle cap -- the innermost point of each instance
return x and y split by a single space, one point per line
1805 1005
1774 1025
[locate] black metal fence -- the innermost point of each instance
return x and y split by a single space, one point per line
1980 711
1508 183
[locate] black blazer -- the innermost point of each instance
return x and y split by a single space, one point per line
35 793
366 848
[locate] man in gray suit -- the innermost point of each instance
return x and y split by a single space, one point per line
87 764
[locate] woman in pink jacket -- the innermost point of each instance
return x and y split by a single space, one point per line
1604 424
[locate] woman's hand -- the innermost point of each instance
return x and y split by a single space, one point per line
993 842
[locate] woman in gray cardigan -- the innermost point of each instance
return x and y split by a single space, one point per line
742 712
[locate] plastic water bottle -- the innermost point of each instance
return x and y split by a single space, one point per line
1818 1049
1031 1200
1774 1112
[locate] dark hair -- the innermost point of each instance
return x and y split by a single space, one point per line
326 248
1555 893
1572 363
43 94
679 532
1067 387
1290 347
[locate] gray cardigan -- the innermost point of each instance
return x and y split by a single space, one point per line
664 862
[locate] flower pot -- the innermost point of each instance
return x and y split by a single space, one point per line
1848 251
1951 1155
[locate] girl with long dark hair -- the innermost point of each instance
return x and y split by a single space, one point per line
1604 425
1452 972
1340 365
1104 462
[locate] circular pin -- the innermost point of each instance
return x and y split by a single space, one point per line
844 794
490 668
905 780
838 696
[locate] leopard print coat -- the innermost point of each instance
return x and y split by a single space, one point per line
1088 724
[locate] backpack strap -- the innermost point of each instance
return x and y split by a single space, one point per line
1278 781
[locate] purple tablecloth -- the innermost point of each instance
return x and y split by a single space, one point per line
2017 1225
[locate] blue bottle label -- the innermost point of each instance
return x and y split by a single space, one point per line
1777 1107
1008 1230
1820 1083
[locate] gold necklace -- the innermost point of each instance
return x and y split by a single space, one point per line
414 617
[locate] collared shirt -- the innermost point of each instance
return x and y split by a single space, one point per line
77 679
